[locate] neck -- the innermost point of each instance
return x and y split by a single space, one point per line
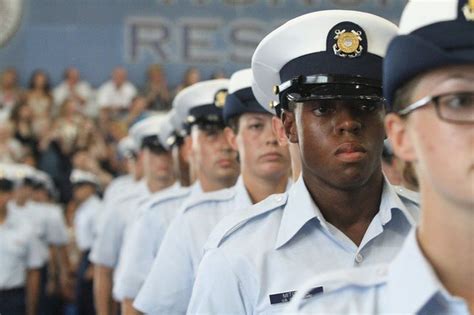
157 185
20 201
260 188
349 210
446 237
3 213
211 184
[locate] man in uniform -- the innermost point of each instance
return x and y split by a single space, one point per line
150 134
429 82
327 69
215 166
264 168
21 254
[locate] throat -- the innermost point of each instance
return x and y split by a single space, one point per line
350 211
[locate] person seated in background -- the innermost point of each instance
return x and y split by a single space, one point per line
10 92
73 88
190 77
114 96
40 100
11 149
22 120
156 89
139 109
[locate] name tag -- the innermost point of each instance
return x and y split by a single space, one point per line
286 297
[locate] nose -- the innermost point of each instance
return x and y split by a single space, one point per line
346 122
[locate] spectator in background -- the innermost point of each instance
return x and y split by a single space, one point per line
73 88
218 74
10 92
114 98
40 100
138 109
10 149
156 89
115 95
21 118
191 76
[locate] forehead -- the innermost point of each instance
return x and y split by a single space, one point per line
446 79
260 116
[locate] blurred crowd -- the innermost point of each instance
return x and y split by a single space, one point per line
73 124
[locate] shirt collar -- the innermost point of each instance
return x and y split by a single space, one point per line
241 194
403 293
299 209
389 202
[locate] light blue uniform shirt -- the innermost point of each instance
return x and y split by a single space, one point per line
168 287
408 285
85 220
144 238
117 187
20 250
117 216
46 222
257 259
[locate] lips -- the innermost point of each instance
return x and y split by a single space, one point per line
271 156
351 152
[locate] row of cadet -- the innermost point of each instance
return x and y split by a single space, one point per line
236 207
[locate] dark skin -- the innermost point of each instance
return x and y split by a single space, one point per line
340 146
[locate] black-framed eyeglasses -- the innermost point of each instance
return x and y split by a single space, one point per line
455 107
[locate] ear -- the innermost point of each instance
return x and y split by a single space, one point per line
288 119
279 131
186 148
397 132
231 137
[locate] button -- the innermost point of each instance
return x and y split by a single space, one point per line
359 258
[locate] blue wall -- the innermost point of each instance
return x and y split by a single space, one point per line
96 35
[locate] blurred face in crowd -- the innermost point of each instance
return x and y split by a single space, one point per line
155 74
341 142
9 78
40 80
6 130
23 193
72 76
259 152
82 192
40 195
442 152
158 166
119 76
192 76
5 196
213 155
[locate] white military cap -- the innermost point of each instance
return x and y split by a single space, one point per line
127 147
16 173
202 103
152 131
325 54
42 179
240 98
79 176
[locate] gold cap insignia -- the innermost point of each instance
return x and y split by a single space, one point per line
468 10
219 98
348 44
276 89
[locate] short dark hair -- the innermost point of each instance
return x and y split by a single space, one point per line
233 123
403 95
